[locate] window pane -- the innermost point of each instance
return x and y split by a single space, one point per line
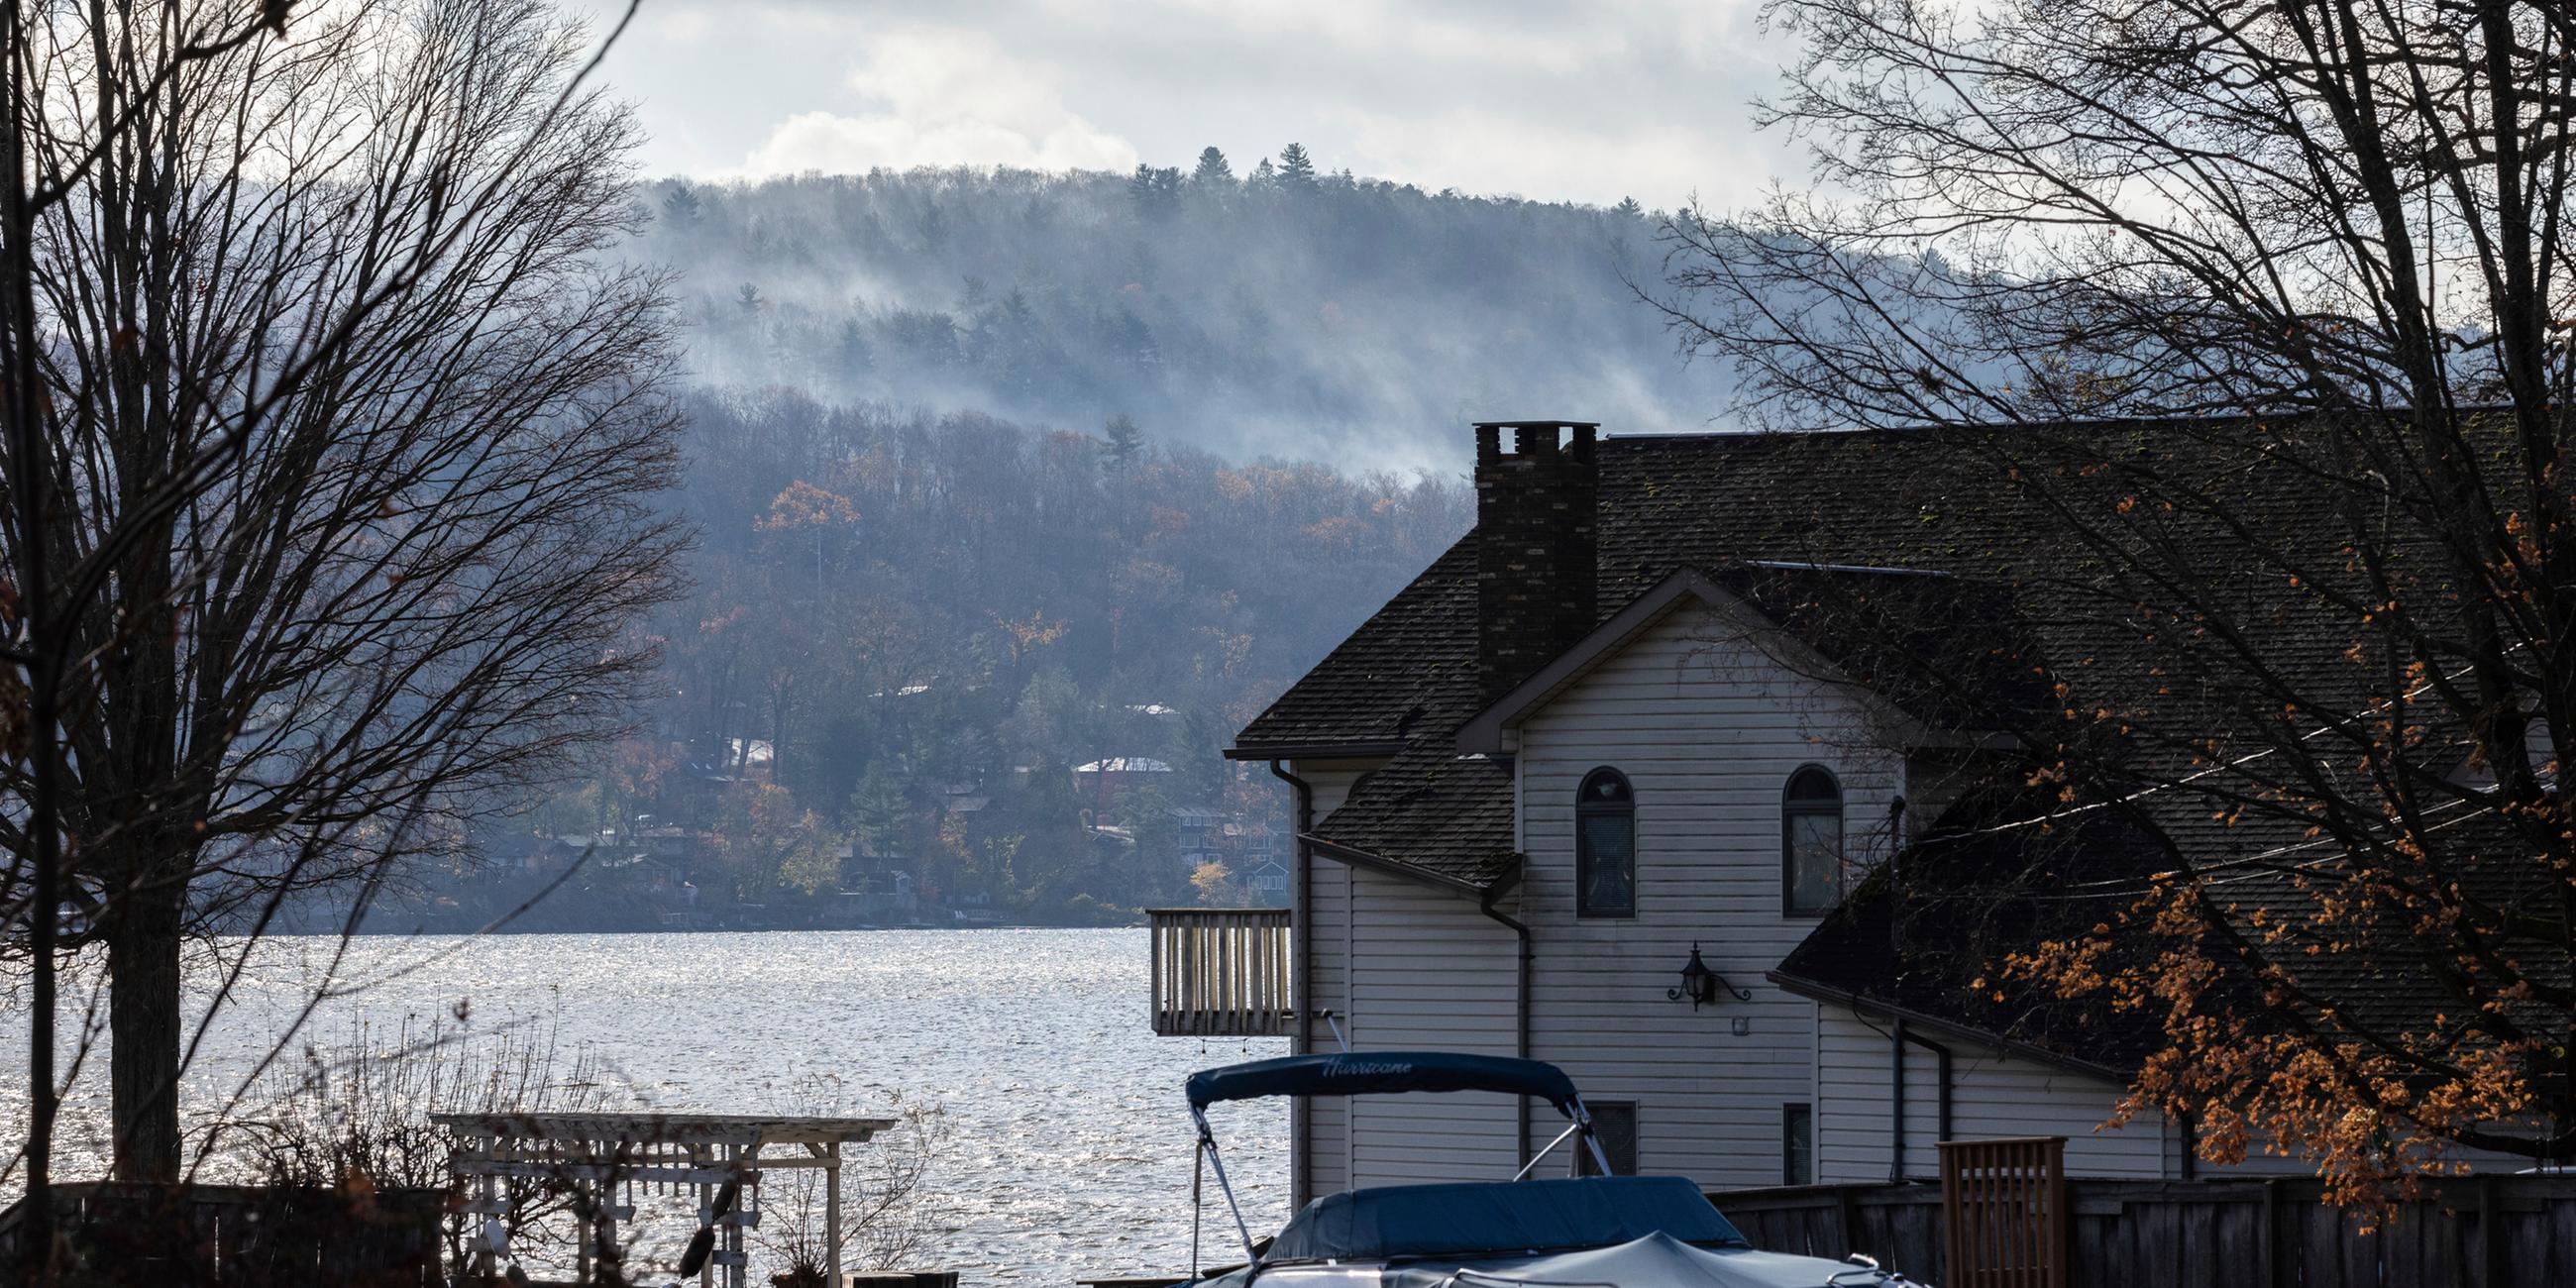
1615 1122
1812 785
1797 1145
1815 860
1608 866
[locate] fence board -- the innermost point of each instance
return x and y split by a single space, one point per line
2221 1233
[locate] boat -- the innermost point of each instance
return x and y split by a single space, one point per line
1575 1231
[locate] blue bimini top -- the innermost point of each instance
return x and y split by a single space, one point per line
1362 1072
1500 1218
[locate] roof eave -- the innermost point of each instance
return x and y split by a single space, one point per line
1356 750
1398 868
1818 992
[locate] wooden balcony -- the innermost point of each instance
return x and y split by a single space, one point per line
1221 972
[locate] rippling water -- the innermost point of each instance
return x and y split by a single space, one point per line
1070 1145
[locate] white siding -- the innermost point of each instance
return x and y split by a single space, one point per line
1324 942
1707 729
1990 1096
1428 970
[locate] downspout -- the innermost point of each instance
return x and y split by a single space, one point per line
1940 1080
1896 1103
1301 1041
1520 1005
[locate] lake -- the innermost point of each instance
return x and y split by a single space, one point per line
1069 1146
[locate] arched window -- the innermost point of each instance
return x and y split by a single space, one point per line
1811 843
1605 847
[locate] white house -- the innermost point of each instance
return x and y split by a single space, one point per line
1602 736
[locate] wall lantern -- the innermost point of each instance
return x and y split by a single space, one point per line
1700 984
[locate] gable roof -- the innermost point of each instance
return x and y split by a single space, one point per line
1411 663
1404 684
1809 528
1862 629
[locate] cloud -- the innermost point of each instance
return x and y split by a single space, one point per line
1586 100
941 96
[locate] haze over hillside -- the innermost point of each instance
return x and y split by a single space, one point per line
999 475
1285 312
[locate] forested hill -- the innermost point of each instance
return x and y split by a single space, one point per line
1287 313
999 476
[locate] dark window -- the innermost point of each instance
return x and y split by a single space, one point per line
1615 1122
1797 1145
1811 843
1605 847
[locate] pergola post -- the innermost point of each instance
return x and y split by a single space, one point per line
700 1157
832 1214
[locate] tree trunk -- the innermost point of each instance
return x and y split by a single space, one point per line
143 1031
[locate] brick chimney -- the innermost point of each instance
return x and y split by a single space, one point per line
1536 555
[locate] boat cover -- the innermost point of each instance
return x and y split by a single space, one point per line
1653 1261
1352 1073
1492 1218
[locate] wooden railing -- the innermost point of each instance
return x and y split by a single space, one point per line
1221 972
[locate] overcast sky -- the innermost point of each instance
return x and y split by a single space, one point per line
1580 100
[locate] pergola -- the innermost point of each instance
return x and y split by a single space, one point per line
602 1157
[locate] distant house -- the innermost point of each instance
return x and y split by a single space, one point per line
1250 844
1197 836
1607 734
1268 882
1106 782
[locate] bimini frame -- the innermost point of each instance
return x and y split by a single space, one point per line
1352 1073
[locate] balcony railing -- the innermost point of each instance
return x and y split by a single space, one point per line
1221 972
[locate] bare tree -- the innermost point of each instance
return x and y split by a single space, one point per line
334 429
358 1113
2246 326
889 1215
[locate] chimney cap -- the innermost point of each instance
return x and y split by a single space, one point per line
1538 424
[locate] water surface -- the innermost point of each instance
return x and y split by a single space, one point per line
1069 1141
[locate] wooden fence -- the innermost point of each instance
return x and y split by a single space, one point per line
1220 972
221 1236
2004 1222
2466 1232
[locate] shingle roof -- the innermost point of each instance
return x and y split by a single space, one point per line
1780 519
1404 682
1410 663
1923 934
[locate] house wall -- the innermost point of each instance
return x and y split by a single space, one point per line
1429 971
1994 1095
1322 1166
1402 965
1990 1096
1708 729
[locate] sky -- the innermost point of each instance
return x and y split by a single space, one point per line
1571 100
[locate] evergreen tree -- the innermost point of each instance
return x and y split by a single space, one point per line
1125 439
1296 169
1628 209
876 811
1213 169
857 359
682 205
1263 175
1154 191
